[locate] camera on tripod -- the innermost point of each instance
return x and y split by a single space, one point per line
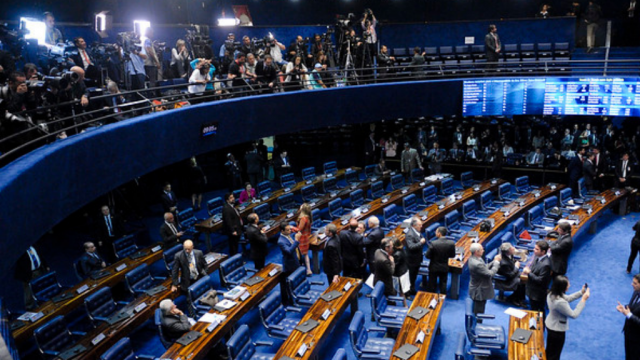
130 42
199 41
60 82
231 46
367 11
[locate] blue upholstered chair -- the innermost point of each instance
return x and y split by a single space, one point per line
55 337
365 346
446 187
462 351
429 195
452 223
275 317
397 181
417 175
329 185
169 256
45 287
264 189
340 354
214 207
300 288
309 174
187 221
100 305
122 350
233 272
391 217
316 220
198 290
264 212
335 209
240 346
139 280
287 202
377 190
356 199
164 338
351 177
330 168
288 181
410 204
505 194
565 197
387 316
486 202
535 218
466 179
125 246
309 194
370 171
482 336
522 185
470 213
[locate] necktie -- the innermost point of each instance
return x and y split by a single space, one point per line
86 57
108 221
192 267
170 197
298 255
35 260
172 228
95 256
624 169
597 159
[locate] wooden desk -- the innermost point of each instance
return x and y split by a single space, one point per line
117 331
501 221
315 338
199 348
429 325
51 309
535 345
450 203
316 244
210 225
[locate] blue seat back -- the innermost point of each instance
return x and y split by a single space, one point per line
125 246
139 279
288 180
461 347
410 203
550 203
429 195
330 167
447 186
565 196
157 321
582 188
430 231
417 175
370 171
100 303
54 336
271 309
340 355
518 227
214 206
263 211
308 192
351 176
522 184
199 288
186 218
309 173
357 198
236 194
470 320
45 287
469 209
390 214
316 220
357 333
329 184
240 346
286 202
378 300
452 220
297 282
264 188
335 208
122 350
486 199
397 181
169 256
466 179
534 215
233 269
504 191
377 190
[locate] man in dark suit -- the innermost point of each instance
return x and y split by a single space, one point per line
257 240
589 171
385 266
110 228
231 223
174 322
169 200
264 155
510 270
439 252
290 257
635 247
30 266
409 160
254 166
352 249
332 256
90 261
623 171
170 232
370 149
561 249
281 165
575 171
601 167
631 327
414 242
83 59
373 240
492 46
481 274
539 277
189 266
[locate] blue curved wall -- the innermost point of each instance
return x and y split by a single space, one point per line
44 187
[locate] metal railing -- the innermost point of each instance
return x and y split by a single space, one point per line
162 98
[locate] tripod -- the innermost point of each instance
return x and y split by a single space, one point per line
349 66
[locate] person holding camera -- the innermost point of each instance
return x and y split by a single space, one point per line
134 67
236 73
299 47
296 72
200 77
275 48
368 24
247 46
179 59
151 62
231 37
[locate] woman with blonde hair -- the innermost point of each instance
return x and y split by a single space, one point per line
304 228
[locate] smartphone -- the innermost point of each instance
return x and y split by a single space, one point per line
586 285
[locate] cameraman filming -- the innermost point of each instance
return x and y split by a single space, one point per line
14 98
275 48
299 47
180 59
247 46
200 77
369 34
228 45
52 36
134 67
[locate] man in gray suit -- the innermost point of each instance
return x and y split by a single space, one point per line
174 322
492 46
409 160
561 249
414 242
188 267
480 285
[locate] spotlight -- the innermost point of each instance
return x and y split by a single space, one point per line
103 23
33 29
228 22
140 27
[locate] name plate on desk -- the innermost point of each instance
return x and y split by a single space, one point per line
404 191
347 286
30 316
155 249
325 314
97 339
392 173
212 327
266 227
553 186
476 188
473 234
290 215
536 194
273 272
308 182
241 208
245 295
140 307
617 192
287 189
302 350
329 175
209 258
312 204
265 197
322 236
420 337
333 194
533 323
82 289
121 267
423 184
384 200
433 303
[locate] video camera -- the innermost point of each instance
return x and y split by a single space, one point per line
130 42
60 82
200 41
231 46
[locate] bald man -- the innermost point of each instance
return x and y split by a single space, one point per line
352 246
189 266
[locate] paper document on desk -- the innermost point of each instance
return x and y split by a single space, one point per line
212 318
369 281
515 312
574 207
548 228
405 282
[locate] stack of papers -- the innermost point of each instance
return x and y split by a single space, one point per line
212 318
515 312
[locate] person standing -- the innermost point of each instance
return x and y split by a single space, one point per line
373 240
623 171
234 172
480 284
561 249
189 266
30 266
492 46
151 62
110 228
574 169
352 249
332 256
400 261
631 327
439 252
169 200
409 160
198 181
559 311
304 228
385 267
635 247
257 240
414 241
592 18
290 256
589 171
539 277
254 165
53 36
232 223
170 232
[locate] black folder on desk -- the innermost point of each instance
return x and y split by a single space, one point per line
521 335
254 280
406 351
121 315
74 351
137 255
99 274
189 337
330 296
418 313
62 297
155 290
307 326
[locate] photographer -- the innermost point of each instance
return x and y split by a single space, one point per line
236 73
250 69
369 34
247 46
31 72
228 45
296 74
7 65
83 60
151 62
299 47
318 46
212 69
267 74
200 77
134 67
14 98
179 59
53 36
385 62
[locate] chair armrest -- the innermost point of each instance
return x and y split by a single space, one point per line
485 316
138 292
124 303
370 351
395 298
479 352
387 316
252 270
499 278
51 352
145 357
534 187
276 327
466 223
78 333
159 278
377 329
303 296
263 343
100 318
293 309
316 282
487 336
203 307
